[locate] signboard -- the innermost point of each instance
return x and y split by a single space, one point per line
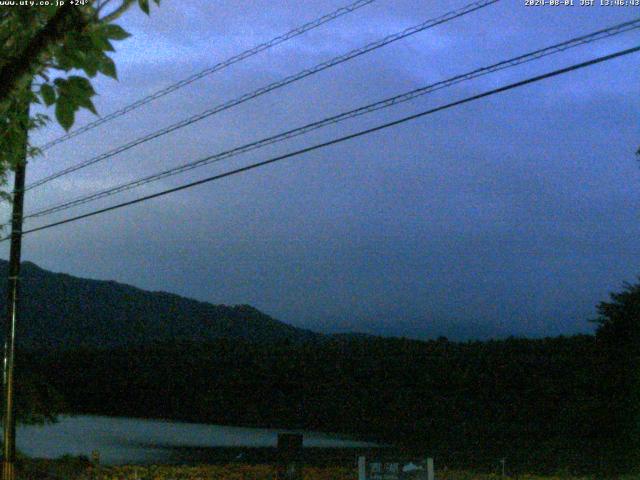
384 471
394 469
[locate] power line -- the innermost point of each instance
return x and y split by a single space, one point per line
535 55
273 86
339 139
215 68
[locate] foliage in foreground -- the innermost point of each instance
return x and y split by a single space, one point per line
43 48
84 471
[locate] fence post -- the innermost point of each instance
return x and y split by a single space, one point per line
430 471
362 468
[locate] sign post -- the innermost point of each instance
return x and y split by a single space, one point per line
362 468
430 470
289 456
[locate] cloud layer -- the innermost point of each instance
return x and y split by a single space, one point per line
515 214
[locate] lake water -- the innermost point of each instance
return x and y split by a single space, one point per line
132 440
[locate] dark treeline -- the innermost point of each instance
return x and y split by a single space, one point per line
544 404
537 402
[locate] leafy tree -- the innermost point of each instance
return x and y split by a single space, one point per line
42 50
619 336
48 56
619 319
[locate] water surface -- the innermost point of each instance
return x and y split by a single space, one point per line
131 440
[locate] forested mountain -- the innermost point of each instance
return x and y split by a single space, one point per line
545 404
62 311
536 402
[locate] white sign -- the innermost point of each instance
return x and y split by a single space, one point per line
394 470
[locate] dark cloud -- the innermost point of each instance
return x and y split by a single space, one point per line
512 215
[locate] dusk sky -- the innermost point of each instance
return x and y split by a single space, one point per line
512 215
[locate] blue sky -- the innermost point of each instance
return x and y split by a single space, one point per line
513 215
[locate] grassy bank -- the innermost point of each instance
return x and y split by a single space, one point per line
79 469
267 472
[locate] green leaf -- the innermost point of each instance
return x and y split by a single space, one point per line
89 64
88 104
107 67
144 6
84 43
116 32
73 87
87 61
74 92
101 41
62 62
48 94
71 42
80 86
65 112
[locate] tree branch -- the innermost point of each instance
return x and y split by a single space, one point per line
102 5
118 11
13 73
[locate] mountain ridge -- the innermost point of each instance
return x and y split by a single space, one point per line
59 310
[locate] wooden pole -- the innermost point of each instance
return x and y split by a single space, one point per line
13 289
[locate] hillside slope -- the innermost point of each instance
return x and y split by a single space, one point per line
61 311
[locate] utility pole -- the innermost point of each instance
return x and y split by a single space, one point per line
13 288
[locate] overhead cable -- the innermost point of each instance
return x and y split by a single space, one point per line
268 88
208 71
337 140
386 103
